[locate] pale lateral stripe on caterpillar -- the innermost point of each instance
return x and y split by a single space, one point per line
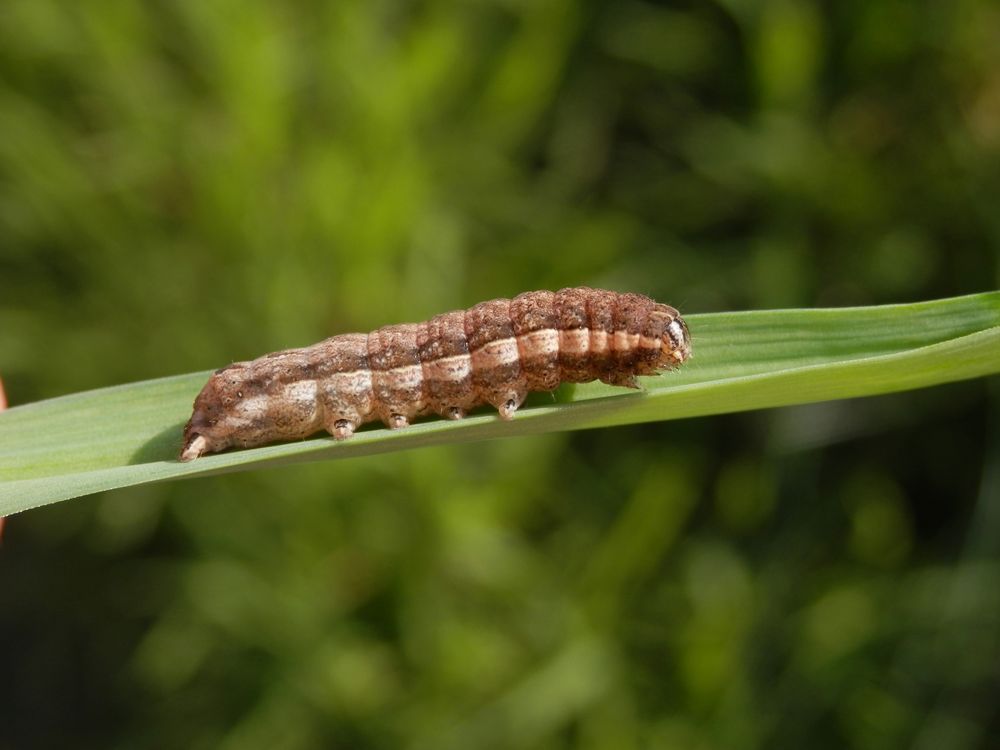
493 353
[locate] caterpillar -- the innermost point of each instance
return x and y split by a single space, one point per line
493 353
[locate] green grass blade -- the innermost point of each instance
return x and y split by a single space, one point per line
115 437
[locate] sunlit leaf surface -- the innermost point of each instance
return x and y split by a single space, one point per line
130 434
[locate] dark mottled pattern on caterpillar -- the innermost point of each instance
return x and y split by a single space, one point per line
494 353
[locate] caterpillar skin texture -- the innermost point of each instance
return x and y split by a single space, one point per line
494 353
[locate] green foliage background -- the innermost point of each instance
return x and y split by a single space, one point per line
185 183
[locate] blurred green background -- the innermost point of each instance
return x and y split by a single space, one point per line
186 183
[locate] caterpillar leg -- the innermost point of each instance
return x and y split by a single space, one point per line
510 404
396 421
342 429
454 412
621 379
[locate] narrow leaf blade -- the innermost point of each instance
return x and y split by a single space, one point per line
115 437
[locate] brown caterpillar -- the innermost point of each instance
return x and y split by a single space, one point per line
493 353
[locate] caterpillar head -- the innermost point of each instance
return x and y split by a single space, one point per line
675 343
